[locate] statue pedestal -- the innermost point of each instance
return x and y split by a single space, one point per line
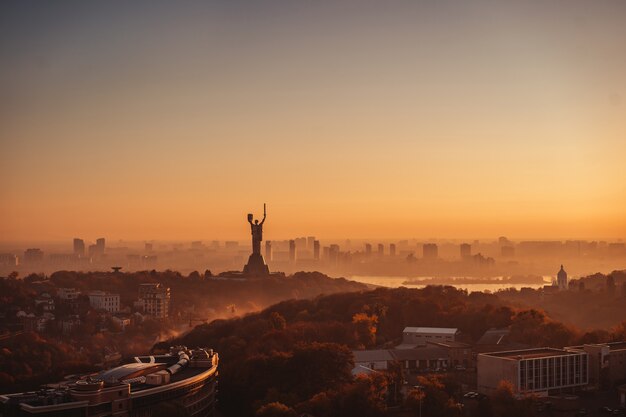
256 266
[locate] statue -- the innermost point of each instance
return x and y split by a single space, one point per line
257 232
256 264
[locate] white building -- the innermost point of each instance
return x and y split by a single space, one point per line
101 300
68 294
419 336
155 300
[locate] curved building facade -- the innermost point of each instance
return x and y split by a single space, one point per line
181 382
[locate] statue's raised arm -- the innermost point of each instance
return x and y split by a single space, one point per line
264 214
250 218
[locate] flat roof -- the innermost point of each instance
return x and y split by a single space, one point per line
437 330
530 353
372 355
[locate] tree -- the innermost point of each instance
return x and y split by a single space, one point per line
275 409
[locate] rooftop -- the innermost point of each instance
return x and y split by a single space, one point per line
436 330
530 353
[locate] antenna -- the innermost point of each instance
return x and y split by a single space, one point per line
264 212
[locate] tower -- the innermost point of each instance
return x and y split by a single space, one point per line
561 279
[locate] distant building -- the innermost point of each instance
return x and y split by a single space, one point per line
507 251
310 242
231 244
333 254
316 250
105 301
430 251
100 244
419 336
79 247
392 250
197 244
183 376
268 250
8 259
148 247
540 371
33 255
465 250
561 279
67 294
155 300
368 250
292 250
381 249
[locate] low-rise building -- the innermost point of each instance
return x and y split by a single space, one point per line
539 371
607 363
419 336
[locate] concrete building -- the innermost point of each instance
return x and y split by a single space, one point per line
33 255
186 377
292 251
79 247
155 300
105 301
392 250
8 259
607 363
465 250
430 251
368 250
316 250
419 336
381 250
377 360
540 371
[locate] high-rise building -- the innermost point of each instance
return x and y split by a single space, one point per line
465 250
430 251
381 249
100 246
154 299
561 279
268 250
333 254
79 247
368 250
507 251
292 250
316 250
392 250
310 242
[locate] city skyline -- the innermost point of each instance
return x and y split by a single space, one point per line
353 119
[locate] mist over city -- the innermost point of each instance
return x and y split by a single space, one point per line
313 209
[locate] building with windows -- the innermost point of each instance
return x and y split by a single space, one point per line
105 301
607 363
419 336
137 389
154 300
540 371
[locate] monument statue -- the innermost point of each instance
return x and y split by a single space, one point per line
256 264
257 231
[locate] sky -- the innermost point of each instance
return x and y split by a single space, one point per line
362 119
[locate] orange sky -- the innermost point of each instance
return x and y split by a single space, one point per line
350 119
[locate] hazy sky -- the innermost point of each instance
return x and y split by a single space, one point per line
172 120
